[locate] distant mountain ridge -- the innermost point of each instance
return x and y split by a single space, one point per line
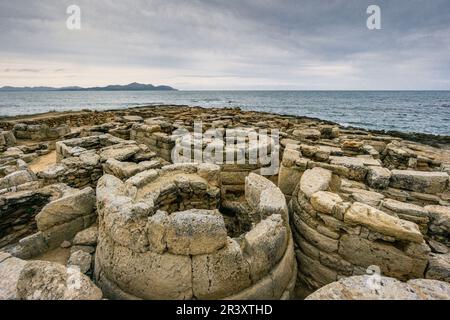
129 87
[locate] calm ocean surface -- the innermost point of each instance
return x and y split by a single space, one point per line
407 111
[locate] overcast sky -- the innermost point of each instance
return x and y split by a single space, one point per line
227 44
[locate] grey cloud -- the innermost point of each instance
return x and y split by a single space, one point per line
296 43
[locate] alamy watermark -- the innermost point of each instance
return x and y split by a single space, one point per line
228 146
73 22
374 20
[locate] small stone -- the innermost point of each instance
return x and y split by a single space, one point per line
378 177
359 288
66 244
437 246
439 267
87 237
314 180
42 280
324 201
87 249
80 259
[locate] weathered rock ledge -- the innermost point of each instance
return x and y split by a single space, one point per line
114 196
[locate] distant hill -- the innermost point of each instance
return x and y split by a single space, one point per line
129 87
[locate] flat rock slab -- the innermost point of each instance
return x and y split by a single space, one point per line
378 221
420 181
382 288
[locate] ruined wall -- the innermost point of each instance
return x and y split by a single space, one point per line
39 132
75 119
82 161
337 238
349 213
156 134
153 254
35 221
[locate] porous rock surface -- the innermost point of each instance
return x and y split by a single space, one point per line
101 192
362 288
154 245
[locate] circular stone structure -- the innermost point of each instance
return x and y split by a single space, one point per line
219 145
161 236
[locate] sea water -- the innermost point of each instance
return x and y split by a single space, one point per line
407 111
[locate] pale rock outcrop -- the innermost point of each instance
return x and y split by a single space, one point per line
41 280
439 267
378 177
382 288
439 223
87 237
314 180
63 218
378 221
72 205
426 182
10 269
81 260
151 247
16 179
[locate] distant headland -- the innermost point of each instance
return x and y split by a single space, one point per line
129 87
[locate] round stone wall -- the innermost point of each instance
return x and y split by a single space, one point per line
161 236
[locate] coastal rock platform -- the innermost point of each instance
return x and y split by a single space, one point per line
323 207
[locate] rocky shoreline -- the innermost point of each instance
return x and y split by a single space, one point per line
442 141
98 195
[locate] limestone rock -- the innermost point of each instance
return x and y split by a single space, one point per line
288 179
314 180
90 158
195 232
16 178
87 237
146 275
378 177
392 261
439 223
357 170
220 274
370 198
437 246
120 152
142 178
10 269
383 288
324 201
319 240
405 208
378 221
53 171
420 181
133 118
439 267
264 245
41 280
120 169
66 244
73 205
254 186
80 259
311 134
273 202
